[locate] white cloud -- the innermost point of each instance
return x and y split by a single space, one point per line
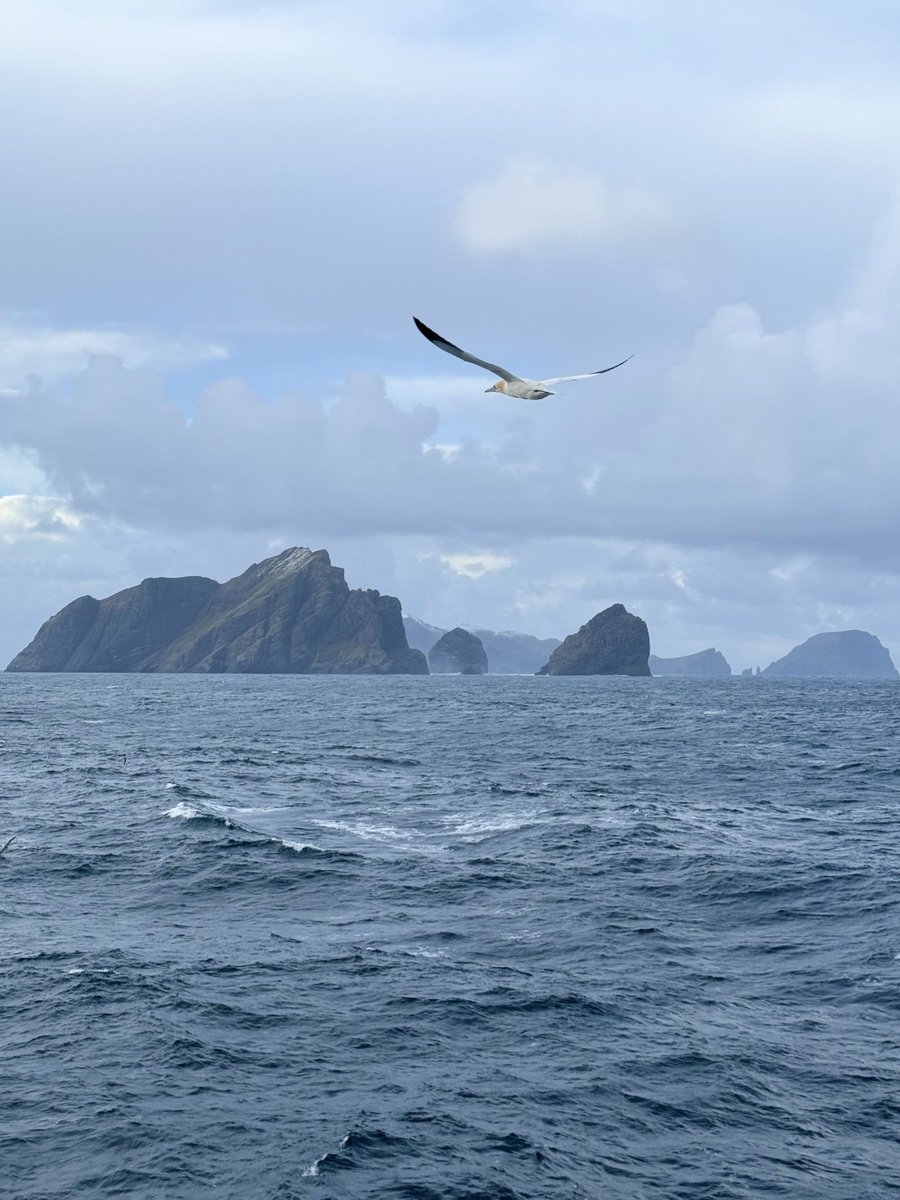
32 349
473 566
447 450
531 205
43 517
679 578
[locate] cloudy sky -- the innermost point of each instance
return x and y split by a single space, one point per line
219 216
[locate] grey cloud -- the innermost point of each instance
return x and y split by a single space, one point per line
299 166
295 170
29 349
122 450
767 439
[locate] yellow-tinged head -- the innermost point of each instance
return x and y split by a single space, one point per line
499 386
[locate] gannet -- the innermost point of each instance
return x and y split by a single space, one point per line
509 384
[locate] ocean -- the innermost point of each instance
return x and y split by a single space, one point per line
449 938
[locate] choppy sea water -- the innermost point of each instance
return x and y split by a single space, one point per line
449 937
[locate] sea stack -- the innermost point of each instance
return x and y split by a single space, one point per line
614 642
458 652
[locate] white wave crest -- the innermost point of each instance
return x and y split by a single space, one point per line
185 812
501 823
370 833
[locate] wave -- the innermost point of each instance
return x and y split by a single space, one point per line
478 827
183 811
387 835
356 1147
508 789
503 1001
309 848
385 760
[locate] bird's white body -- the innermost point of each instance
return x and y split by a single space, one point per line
522 389
508 384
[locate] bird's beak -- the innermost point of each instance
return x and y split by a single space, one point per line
493 388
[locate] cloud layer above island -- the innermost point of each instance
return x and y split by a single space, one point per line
245 203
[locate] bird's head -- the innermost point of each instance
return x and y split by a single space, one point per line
499 386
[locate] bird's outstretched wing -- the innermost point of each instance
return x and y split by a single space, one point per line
443 344
590 374
6 845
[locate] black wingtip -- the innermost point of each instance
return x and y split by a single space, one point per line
613 367
426 332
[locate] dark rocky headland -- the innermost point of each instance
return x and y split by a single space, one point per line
614 642
291 614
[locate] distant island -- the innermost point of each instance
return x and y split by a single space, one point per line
507 653
844 654
293 613
704 664
848 654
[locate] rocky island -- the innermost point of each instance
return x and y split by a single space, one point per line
293 614
460 652
509 653
848 654
614 642
705 664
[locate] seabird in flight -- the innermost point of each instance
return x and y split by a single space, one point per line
509 384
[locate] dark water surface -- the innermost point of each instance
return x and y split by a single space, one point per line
277 937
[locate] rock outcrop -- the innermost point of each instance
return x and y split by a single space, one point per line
704 664
293 614
508 653
458 652
849 654
614 642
